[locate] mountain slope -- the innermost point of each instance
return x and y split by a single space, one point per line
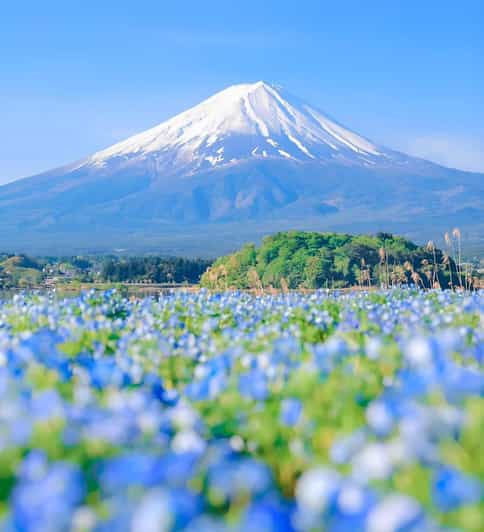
251 158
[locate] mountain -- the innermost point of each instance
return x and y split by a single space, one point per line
250 160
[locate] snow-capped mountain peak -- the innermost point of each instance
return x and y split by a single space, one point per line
250 160
246 121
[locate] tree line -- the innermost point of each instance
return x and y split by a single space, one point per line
154 269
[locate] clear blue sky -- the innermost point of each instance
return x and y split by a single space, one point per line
78 75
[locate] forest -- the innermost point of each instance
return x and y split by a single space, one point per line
295 259
154 269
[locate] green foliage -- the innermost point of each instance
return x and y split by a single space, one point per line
156 269
327 260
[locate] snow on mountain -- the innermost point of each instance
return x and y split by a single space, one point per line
248 121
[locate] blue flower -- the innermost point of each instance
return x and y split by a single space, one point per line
254 385
451 489
232 478
291 410
46 495
268 516
129 470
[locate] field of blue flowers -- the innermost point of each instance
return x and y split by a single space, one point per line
233 412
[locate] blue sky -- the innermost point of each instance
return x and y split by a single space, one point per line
78 75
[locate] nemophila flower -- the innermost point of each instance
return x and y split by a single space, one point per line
254 385
153 513
420 352
155 384
235 477
207 523
42 346
330 353
268 515
462 382
316 490
186 506
344 448
373 348
128 470
354 501
379 418
183 416
46 495
199 389
210 379
452 489
177 469
46 404
397 513
188 441
350 510
291 410
373 462
150 398
15 421
105 372
34 466
84 518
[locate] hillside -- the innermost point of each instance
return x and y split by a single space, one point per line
316 260
19 270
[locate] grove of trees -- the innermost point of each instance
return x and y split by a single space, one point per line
155 269
298 259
